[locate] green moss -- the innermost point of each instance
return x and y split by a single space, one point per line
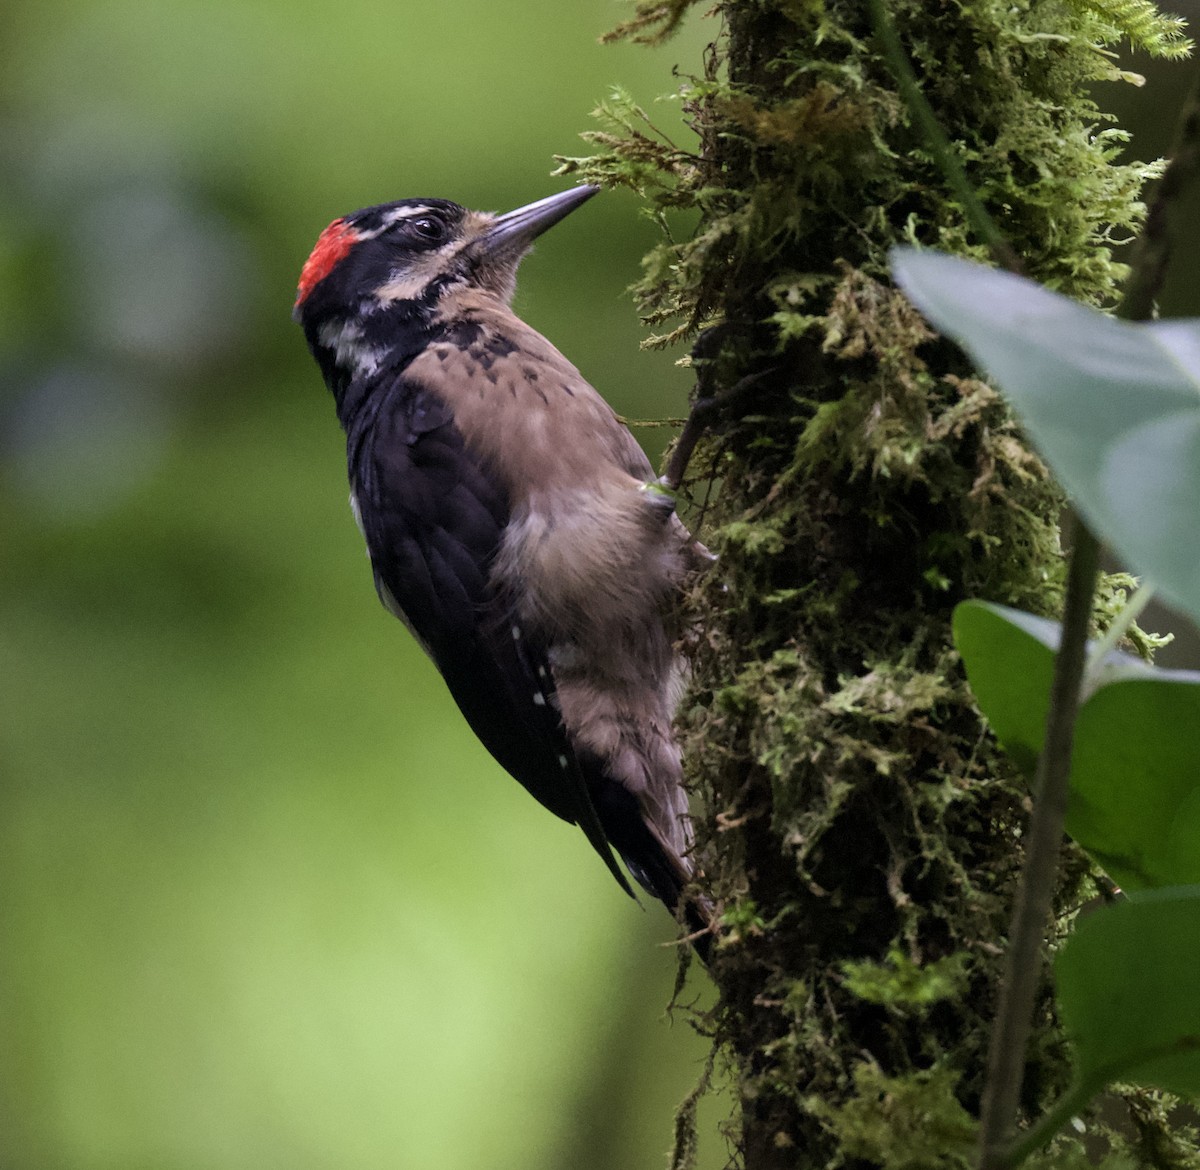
901 1123
899 983
864 832
1138 22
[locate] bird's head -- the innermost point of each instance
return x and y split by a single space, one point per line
413 250
370 291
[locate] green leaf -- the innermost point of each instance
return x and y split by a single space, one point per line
1135 776
1113 406
1127 988
1135 784
1009 658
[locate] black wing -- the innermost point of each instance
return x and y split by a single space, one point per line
433 522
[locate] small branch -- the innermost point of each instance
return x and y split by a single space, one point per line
1022 968
943 152
650 424
1154 245
704 410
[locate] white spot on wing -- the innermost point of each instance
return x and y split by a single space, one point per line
564 656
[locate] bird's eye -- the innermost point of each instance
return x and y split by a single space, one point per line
428 228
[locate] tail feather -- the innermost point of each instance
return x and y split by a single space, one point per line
658 869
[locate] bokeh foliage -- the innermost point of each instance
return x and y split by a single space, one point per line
264 900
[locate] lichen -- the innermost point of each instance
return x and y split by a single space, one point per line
863 831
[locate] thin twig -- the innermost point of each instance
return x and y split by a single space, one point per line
1153 252
704 410
1022 966
650 424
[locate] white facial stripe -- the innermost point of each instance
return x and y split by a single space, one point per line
411 281
406 287
345 338
393 217
399 213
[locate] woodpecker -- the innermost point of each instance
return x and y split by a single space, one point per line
513 523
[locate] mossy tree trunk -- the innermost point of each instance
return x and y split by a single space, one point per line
864 831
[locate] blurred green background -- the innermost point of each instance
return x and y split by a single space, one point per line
263 900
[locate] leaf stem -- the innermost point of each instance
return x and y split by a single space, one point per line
1080 1093
1022 968
1073 1101
943 152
